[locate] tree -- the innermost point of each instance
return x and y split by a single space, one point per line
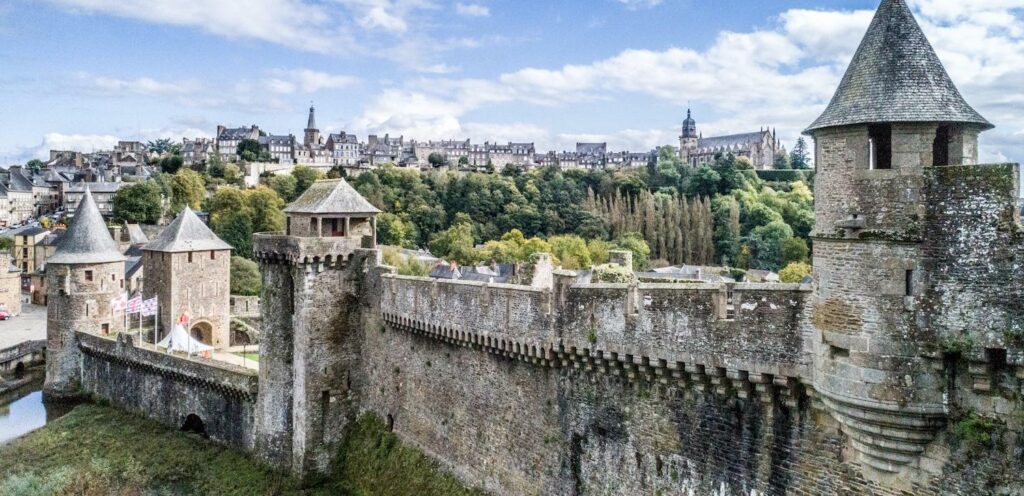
284 185
337 172
704 182
267 209
766 243
392 231
215 166
171 164
160 146
463 161
245 277
794 272
799 157
727 229
781 162
233 175
236 230
35 164
187 189
137 203
249 150
435 159
304 178
794 250
571 252
455 244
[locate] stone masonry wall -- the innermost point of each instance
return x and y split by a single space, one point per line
192 282
169 388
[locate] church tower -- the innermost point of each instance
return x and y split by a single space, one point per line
312 134
83 276
883 145
688 139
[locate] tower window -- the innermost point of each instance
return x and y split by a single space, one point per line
88 275
213 255
940 149
189 257
880 147
908 283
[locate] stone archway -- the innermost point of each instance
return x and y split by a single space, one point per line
194 424
203 332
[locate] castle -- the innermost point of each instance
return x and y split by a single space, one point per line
697 151
872 380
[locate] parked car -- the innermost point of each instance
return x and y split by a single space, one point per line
5 315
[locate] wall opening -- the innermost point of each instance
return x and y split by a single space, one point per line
940 148
391 423
203 331
908 283
195 425
880 147
19 370
88 275
835 352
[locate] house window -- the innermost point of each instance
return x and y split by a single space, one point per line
213 255
189 257
88 275
908 283
122 283
880 147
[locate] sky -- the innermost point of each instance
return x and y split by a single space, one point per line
81 74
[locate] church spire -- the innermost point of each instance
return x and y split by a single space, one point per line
312 117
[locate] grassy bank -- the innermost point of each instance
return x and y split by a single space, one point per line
97 450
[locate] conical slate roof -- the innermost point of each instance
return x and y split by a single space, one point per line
87 241
895 76
186 233
331 196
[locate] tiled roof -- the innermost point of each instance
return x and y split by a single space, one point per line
730 140
87 240
331 196
895 76
186 233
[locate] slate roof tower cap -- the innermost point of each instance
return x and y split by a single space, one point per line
87 241
331 196
895 76
186 233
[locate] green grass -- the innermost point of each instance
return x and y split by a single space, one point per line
374 462
95 450
248 356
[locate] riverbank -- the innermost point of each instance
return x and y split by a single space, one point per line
96 450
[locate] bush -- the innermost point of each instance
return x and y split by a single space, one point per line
794 272
613 274
245 277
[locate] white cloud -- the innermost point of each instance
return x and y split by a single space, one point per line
297 24
76 142
288 81
137 86
472 10
640 4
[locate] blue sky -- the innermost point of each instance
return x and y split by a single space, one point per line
83 73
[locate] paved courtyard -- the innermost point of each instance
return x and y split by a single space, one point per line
28 326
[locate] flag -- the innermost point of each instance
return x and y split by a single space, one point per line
135 304
119 303
148 307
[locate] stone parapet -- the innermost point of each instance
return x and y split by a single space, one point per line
297 250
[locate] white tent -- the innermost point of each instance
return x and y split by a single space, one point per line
179 340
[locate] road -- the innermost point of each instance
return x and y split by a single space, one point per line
28 326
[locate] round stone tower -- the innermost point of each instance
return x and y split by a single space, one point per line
895 115
83 276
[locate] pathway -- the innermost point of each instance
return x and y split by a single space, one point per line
29 326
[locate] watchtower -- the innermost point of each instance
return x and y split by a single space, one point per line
895 118
312 283
84 275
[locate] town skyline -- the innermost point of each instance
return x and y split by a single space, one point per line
485 71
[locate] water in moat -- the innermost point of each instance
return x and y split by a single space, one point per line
23 410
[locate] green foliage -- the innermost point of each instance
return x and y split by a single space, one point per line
284 185
766 244
160 146
187 189
35 164
781 162
975 431
958 344
799 158
635 243
794 272
391 230
613 273
436 159
794 250
304 178
373 461
571 252
463 161
171 164
236 214
455 244
250 150
245 277
137 203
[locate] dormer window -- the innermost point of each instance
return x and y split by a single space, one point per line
880 147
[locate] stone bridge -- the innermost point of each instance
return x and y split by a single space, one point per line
17 359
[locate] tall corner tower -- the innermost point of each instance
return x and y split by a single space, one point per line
310 307
895 116
688 140
85 273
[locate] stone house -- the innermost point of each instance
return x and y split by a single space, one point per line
228 139
189 269
102 193
29 249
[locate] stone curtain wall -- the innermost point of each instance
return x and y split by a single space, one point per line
168 388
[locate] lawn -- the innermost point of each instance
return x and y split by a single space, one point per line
96 450
248 356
